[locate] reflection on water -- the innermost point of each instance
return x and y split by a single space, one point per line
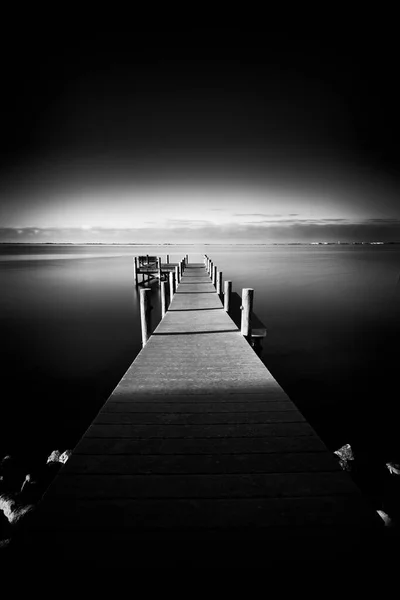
70 328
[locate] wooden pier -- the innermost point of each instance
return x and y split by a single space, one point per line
199 458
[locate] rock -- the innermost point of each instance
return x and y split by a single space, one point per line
346 457
12 509
54 457
385 518
393 468
65 456
5 530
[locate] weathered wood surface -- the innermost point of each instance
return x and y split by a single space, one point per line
199 444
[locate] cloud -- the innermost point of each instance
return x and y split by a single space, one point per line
257 215
297 221
269 216
379 221
191 223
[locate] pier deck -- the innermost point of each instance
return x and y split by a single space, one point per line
199 456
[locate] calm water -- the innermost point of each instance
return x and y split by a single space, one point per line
69 324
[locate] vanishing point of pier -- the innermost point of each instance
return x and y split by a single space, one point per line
199 457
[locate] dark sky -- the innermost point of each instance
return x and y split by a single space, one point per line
167 136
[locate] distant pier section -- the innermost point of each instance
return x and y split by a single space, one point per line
151 267
198 457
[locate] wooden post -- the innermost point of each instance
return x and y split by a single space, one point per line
214 276
159 267
163 298
171 285
205 259
180 270
145 314
247 309
210 268
135 274
208 265
167 259
219 282
187 259
227 295
176 276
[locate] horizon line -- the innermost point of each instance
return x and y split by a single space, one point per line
322 243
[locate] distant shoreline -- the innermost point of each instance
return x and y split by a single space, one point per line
200 244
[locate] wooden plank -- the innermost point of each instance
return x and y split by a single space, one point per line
248 399
165 431
188 303
170 385
195 320
202 463
202 407
182 418
202 367
256 485
220 513
187 446
124 394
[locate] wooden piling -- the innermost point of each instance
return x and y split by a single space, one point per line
214 275
167 259
179 271
163 298
247 308
210 268
135 273
219 282
187 259
227 295
145 315
176 276
159 267
171 285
